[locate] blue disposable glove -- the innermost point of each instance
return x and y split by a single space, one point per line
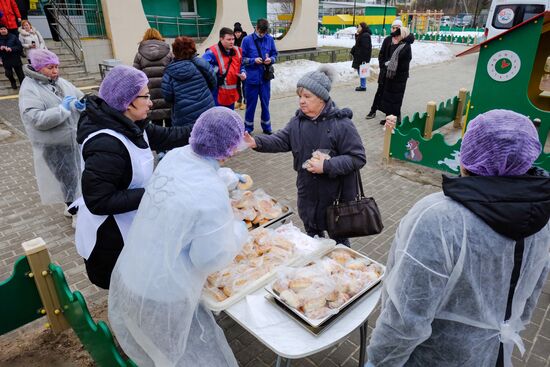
80 105
241 178
67 101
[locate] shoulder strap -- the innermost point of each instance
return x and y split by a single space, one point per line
358 181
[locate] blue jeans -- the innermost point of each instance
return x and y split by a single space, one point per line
363 81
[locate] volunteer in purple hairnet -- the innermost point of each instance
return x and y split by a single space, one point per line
116 139
467 265
184 230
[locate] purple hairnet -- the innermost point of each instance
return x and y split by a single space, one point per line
40 58
500 143
121 86
217 132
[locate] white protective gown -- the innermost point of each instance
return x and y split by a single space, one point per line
442 304
184 230
52 132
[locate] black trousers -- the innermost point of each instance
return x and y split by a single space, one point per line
377 98
58 158
9 69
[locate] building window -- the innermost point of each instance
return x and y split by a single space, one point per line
188 7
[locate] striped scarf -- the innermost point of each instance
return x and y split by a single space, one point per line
392 65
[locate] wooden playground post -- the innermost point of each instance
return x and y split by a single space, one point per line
387 143
430 110
460 109
39 261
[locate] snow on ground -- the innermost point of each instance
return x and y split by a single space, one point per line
288 73
460 34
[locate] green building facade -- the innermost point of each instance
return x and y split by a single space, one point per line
193 18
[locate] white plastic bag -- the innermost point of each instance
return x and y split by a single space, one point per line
364 70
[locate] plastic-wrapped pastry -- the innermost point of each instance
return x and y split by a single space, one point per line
341 256
313 304
339 301
318 313
216 293
357 264
280 285
298 284
291 298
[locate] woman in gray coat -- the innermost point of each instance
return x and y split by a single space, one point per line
318 125
152 58
50 107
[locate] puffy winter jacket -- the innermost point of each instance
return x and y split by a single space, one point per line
10 13
108 172
362 50
254 72
13 57
332 130
152 58
187 84
27 38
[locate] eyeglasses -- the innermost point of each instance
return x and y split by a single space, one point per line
148 96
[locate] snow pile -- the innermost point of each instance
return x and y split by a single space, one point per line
344 40
347 31
430 53
288 73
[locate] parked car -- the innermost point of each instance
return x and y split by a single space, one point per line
464 20
445 21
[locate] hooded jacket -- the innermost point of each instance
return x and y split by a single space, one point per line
187 84
464 273
333 130
362 49
152 58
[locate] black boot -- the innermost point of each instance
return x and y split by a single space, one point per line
371 115
383 122
360 89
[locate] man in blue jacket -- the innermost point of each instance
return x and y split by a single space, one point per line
259 53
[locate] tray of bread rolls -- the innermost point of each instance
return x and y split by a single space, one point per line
322 288
257 208
264 253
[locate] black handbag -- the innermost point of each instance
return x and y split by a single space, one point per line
269 70
356 218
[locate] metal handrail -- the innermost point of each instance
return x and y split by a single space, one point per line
180 23
68 34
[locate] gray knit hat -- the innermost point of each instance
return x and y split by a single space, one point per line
319 82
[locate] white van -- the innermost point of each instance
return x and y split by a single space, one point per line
504 14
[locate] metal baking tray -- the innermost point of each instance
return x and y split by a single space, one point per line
212 304
316 323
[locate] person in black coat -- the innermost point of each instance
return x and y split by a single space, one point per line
10 54
383 56
361 52
239 36
318 125
110 132
396 73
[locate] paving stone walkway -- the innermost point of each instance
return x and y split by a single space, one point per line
396 188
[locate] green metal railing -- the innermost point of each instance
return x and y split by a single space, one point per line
193 26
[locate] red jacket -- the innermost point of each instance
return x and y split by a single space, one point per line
11 13
227 93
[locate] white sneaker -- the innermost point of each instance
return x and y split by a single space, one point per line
73 224
66 212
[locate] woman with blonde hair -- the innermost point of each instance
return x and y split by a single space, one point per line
152 58
30 38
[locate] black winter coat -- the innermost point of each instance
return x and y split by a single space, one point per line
12 58
188 85
239 41
362 50
108 173
332 130
394 89
152 58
